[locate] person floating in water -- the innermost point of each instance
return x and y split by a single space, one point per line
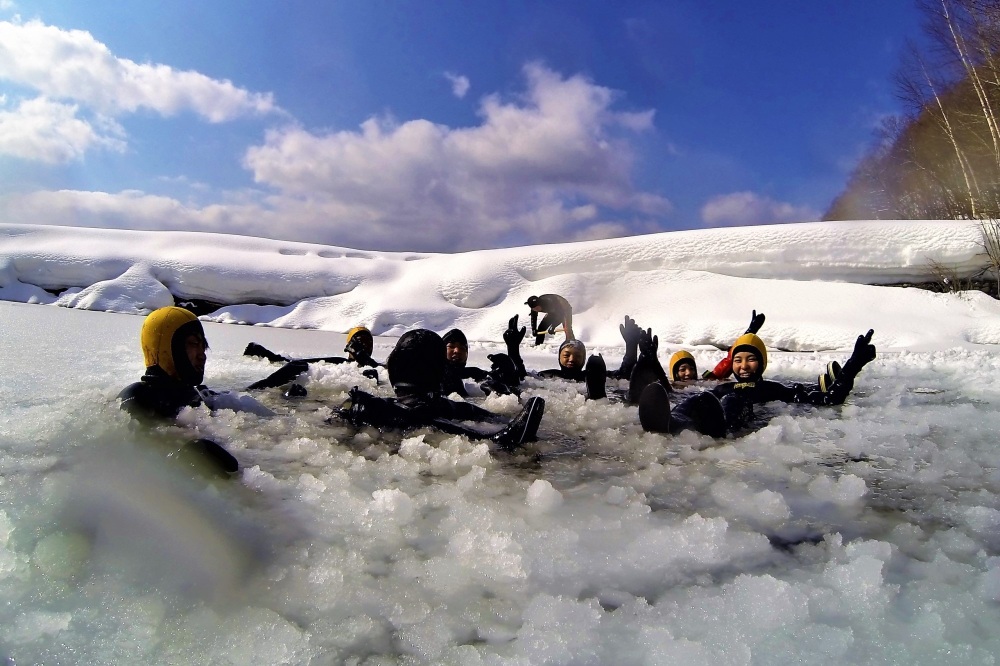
416 371
728 407
359 347
174 349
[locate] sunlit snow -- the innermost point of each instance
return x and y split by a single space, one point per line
865 533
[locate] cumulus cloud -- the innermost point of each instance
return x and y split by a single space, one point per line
552 164
747 208
459 84
50 132
72 65
524 170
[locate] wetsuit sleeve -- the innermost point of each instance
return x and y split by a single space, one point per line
281 376
141 401
475 374
534 322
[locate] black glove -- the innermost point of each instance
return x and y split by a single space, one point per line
631 333
756 322
648 343
513 335
370 373
504 369
864 353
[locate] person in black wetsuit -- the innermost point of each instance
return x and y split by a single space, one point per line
359 348
174 349
728 407
456 368
574 364
557 311
416 371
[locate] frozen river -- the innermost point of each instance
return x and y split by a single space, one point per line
867 533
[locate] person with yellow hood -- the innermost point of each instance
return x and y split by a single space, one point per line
359 348
174 349
728 407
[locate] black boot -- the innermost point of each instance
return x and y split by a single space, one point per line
654 408
522 428
646 371
596 373
827 379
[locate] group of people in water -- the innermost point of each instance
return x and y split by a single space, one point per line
424 368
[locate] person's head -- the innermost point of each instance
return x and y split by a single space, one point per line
749 357
416 363
173 340
532 303
359 341
572 355
456 347
683 367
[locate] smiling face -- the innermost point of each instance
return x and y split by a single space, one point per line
572 357
685 372
745 365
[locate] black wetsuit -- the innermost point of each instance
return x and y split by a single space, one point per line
563 373
728 407
157 394
557 311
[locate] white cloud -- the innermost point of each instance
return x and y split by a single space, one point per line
459 84
525 170
552 165
50 132
747 208
72 65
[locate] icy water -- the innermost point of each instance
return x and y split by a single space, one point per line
867 533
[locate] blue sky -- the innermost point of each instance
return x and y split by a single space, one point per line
439 126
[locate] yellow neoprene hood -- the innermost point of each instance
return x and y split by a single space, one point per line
365 334
677 358
158 336
750 342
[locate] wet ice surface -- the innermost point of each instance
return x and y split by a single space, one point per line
867 533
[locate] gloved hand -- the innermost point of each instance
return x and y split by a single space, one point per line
513 335
756 322
503 368
503 377
631 333
648 343
864 352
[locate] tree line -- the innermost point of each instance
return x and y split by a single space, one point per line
941 158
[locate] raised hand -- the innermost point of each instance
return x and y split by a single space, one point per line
756 322
630 331
648 343
513 335
864 350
